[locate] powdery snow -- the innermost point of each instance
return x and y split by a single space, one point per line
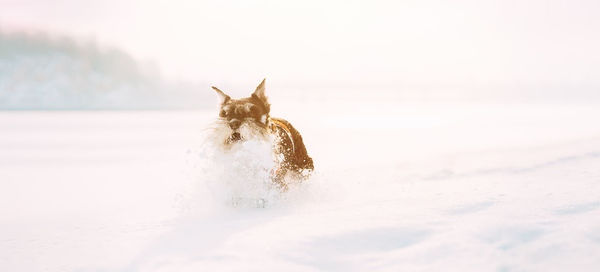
424 187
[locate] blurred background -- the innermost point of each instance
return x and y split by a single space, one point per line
458 134
68 54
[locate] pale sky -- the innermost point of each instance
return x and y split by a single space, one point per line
338 43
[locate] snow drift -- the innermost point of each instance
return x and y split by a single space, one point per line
494 187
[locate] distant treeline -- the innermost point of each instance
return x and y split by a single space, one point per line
43 72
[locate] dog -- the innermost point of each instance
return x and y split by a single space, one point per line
247 118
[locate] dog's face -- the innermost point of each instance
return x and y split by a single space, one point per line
245 118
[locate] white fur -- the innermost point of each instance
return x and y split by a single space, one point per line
220 132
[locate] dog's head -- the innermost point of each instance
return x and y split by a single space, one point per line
244 118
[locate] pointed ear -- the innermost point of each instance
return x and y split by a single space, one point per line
260 92
222 96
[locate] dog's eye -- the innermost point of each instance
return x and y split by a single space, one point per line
222 113
253 109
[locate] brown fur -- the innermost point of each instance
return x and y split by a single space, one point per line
254 111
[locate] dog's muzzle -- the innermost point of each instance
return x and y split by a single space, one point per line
235 124
236 136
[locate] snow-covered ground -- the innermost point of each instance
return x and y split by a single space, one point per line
474 187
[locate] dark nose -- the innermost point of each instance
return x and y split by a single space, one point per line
235 124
